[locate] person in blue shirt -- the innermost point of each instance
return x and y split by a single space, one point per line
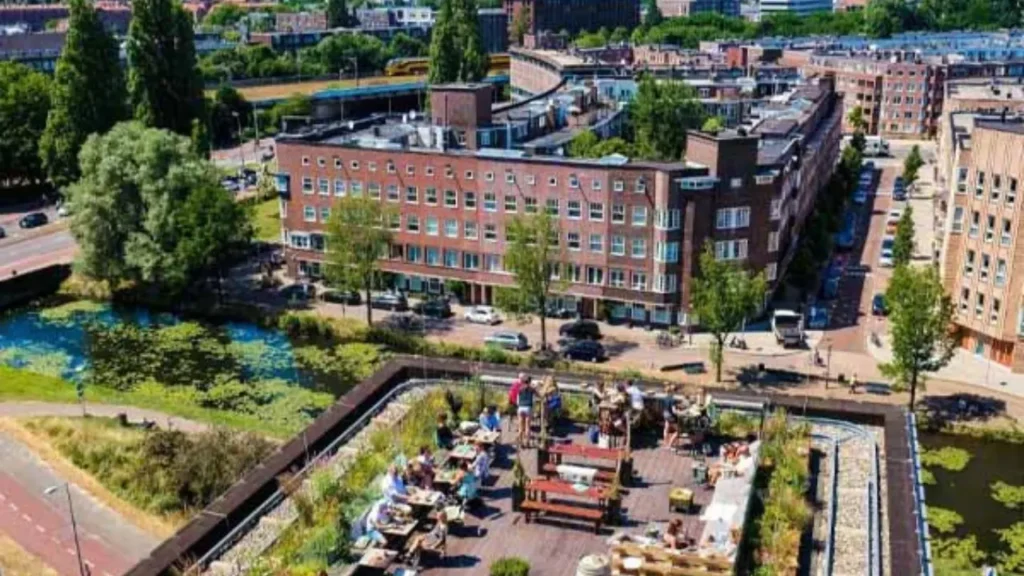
489 419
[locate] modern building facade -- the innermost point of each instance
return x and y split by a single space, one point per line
676 8
798 7
575 16
300 21
982 255
630 231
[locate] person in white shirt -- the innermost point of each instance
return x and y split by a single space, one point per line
636 397
378 518
393 486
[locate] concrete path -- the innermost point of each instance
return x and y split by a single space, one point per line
35 409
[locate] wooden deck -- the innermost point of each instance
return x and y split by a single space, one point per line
551 546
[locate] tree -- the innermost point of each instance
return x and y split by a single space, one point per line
903 245
164 85
356 238
883 18
856 119
405 46
444 58
337 14
228 110
294 105
652 14
24 104
713 125
660 115
224 15
533 257
912 164
143 202
473 62
87 96
724 295
919 323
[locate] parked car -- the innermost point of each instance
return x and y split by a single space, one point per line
817 318
508 340
433 308
33 220
894 215
581 330
483 315
349 297
588 350
885 258
553 310
899 194
249 176
390 301
298 291
878 307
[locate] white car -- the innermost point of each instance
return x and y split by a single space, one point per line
483 315
885 258
894 216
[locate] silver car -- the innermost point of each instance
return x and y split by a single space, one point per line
508 340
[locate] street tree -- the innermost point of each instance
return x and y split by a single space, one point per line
146 210
87 96
919 324
856 119
444 58
912 164
337 14
473 61
660 114
229 112
534 258
165 88
24 104
652 14
357 235
903 245
724 295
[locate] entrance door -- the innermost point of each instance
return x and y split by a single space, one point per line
979 346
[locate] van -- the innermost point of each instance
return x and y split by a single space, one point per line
875 146
788 327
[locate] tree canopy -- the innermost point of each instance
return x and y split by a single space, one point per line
903 245
357 235
660 115
911 164
24 105
456 49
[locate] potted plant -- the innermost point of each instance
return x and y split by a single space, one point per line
519 481
510 566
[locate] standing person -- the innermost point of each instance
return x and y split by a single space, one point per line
443 435
524 410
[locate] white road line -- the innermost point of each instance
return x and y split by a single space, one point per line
71 551
40 529
13 506
2 497
26 517
90 564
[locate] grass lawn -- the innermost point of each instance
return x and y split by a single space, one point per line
23 385
267 221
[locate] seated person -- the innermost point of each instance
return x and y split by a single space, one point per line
433 541
489 419
415 477
426 460
482 462
379 518
466 483
673 537
393 486
443 436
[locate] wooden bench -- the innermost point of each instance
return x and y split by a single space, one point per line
595 515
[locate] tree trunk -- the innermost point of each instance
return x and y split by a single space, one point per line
543 331
369 307
913 390
719 358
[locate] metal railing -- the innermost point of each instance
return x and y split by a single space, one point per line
924 545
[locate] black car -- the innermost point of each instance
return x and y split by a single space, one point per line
581 330
390 301
584 350
2 233
433 308
297 292
878 307
349 297
552 310
33 220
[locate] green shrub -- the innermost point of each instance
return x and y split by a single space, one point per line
510 566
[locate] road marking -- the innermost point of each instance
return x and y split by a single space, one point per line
90 564
40 529
71 551
26 517
13 506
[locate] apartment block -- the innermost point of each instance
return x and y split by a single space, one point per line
982 255
676 8
300 21
630 231
575 16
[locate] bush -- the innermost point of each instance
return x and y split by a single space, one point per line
510 567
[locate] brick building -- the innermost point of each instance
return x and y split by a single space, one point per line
300 21
631 231
575 16
982 255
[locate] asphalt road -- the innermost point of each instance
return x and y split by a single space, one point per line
44 247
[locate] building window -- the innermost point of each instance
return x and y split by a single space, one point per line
552 207
469 230
490 202
771 271
373 189
392 193
638 248
667 219
412 224
733 218
572 240
552 181
965 298
1005 238
641 186
574 182
979 305
596 243
339 187
531 179
773 241
958 219
595 184
575 210
356 188
510 203
618 214
470 260
300 241
412 195
451 228
451 199
469 200
572 272
990 230
433 257
489 176
429 170
395 221
595 275
985 261
997 182
979 184
639 281
354 165
430 196
510 178
975 223
325 214
493 262
449 172
639 215
432 228
1011 193
305 160
776 209
597 211
491 232
665 283
389 167
618 185
1000 272
371 166
731 250
410 169
666 251
993 315
307 185
617 278
618 247
451 258
969 263
736 183
961 180
530 205
309 213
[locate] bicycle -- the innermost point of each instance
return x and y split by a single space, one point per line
667 340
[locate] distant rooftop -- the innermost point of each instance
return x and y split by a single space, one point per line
987 90
1012 125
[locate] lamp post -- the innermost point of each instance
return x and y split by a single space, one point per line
74 526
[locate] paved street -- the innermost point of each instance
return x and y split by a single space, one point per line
43 247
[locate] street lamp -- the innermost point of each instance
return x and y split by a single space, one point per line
74 526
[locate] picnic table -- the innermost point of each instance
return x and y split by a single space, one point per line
445 476
588 452
399 529
541 487
465 452
537 501
551 461
485 437
424 498
378 558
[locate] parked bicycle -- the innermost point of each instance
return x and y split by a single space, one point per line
667 339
